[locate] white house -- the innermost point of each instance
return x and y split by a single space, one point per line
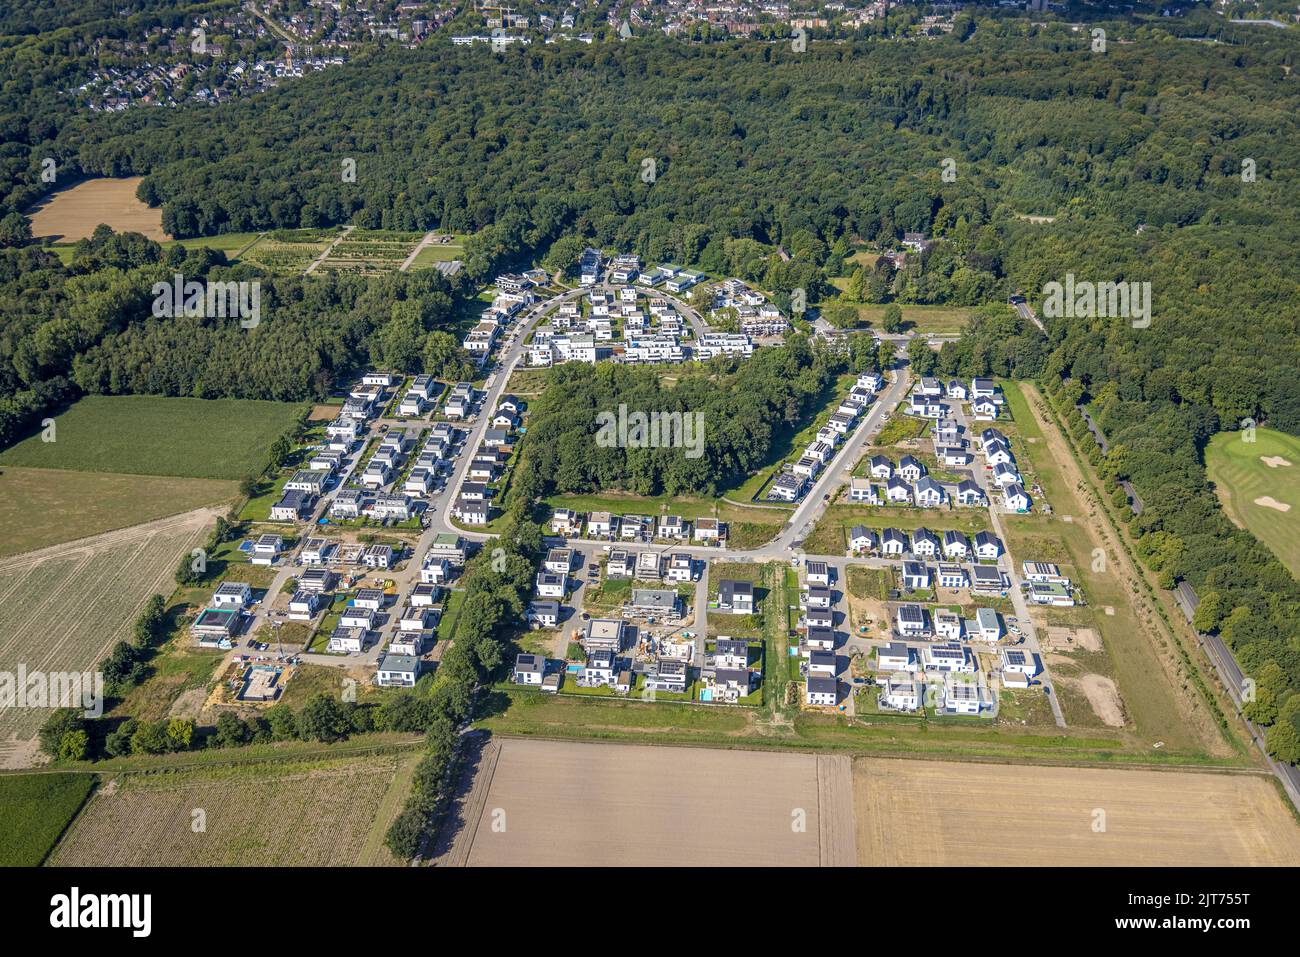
550 585
962 695
730 653
896 490
819 639
680 567
1015 660
987 546
398 671
969 493
346 639
709 530
948 625
897 656
861 539
986 621
947 657
821 691
929 493
864 491
893 542
916 575
1015 499
232 595
911 620
952 576
901 692
529 670
910 468
543 614
302 606
266 549
955 544
925 543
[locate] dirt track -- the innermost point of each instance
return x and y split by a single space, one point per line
558 803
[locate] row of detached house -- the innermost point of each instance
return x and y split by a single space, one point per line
923 543
755 315
1001 464
904 671
473 504
794 481
984 395
506 306
625 268
636 528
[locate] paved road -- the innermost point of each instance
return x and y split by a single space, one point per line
1027 312
1233 679
425 242
315 263
1008 564
838 470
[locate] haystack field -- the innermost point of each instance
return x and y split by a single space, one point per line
938 813
558 803
73 214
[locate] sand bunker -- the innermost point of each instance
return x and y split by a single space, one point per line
1274 461
1269 501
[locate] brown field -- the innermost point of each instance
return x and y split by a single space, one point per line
938 813
62 608
40 507
328 813
72 214
622 805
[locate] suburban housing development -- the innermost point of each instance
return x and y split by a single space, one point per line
651 434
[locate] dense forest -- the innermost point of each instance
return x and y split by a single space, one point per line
1165 159
743 408
89 327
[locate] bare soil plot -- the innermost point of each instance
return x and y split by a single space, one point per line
63 608
558 803
941 813
1061 639
313 814
72 214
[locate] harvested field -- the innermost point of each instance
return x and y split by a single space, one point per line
557 803
64 607
40 507
940 813
72 214
312 814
